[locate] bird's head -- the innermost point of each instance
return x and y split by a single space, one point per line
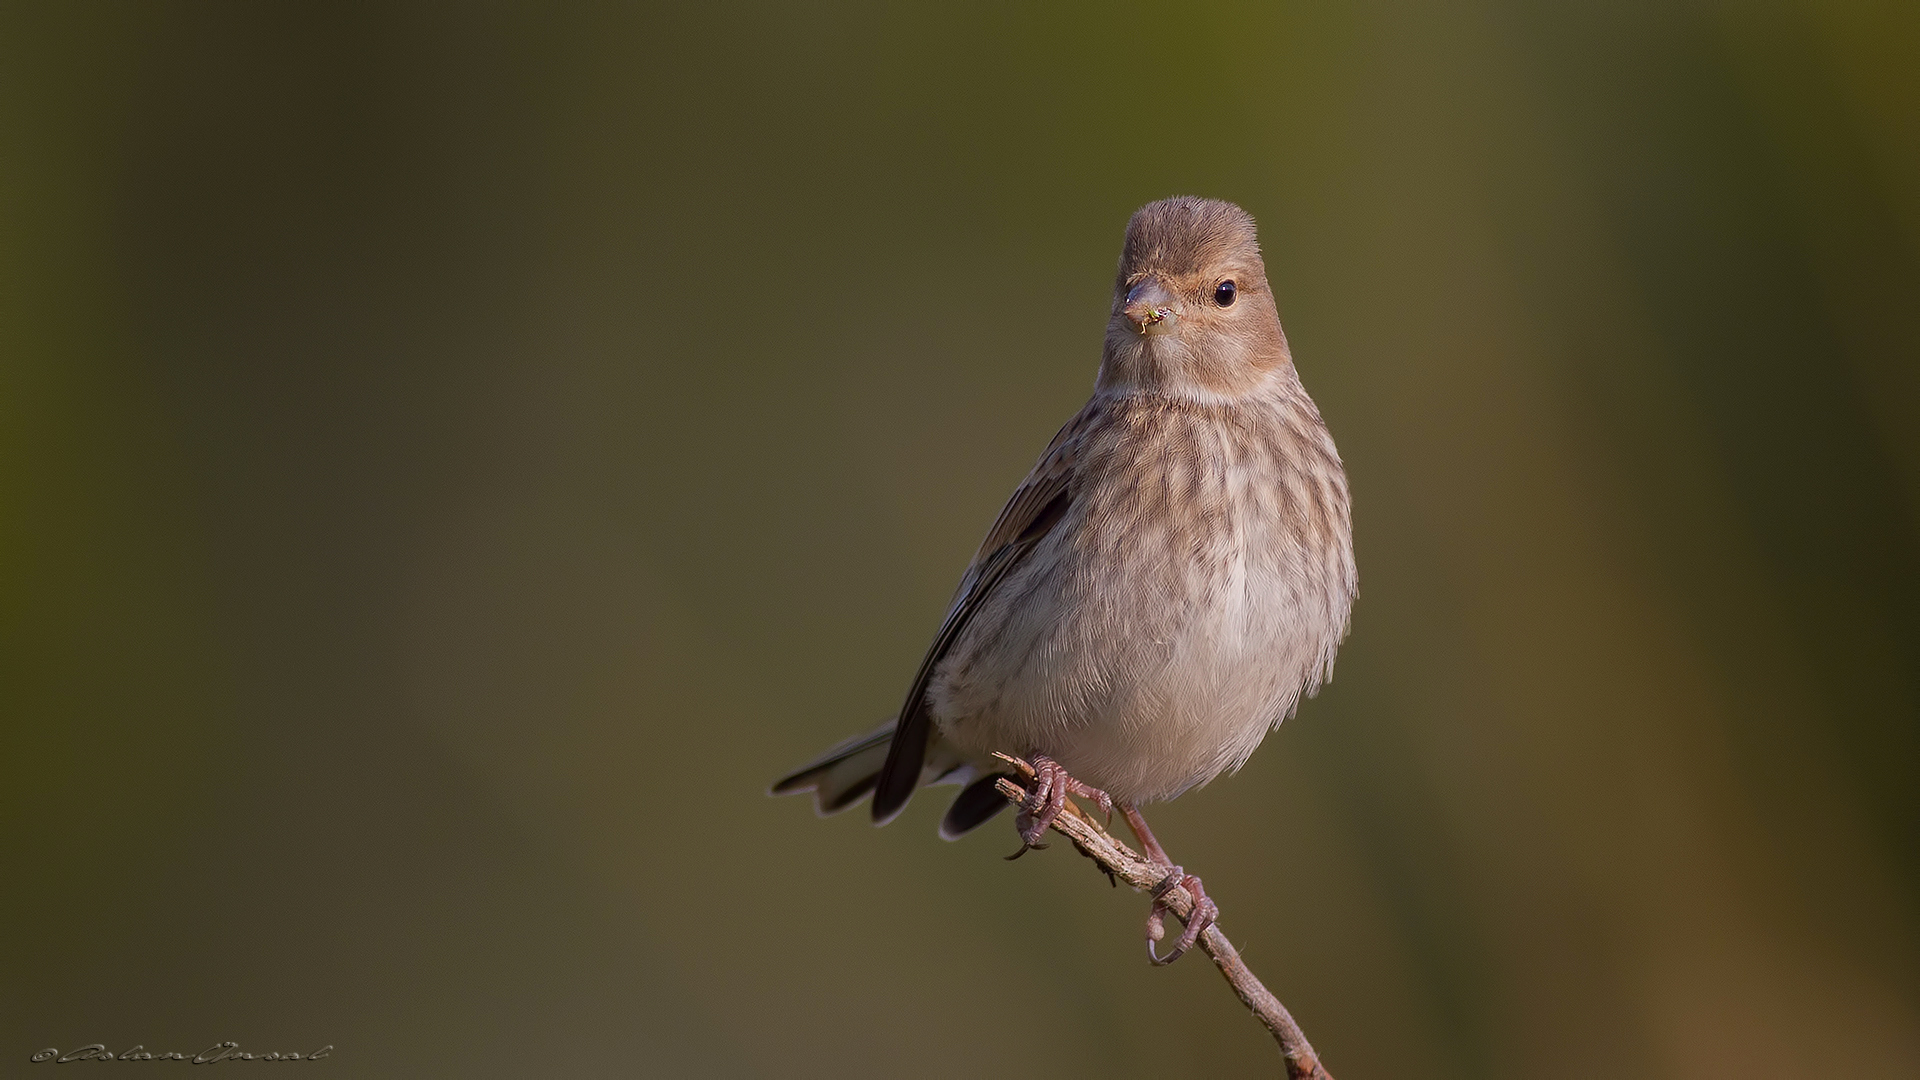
1192 313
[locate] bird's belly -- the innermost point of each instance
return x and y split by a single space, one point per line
1145 669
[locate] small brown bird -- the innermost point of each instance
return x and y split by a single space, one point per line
1162 590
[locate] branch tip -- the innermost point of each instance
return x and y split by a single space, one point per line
1122 863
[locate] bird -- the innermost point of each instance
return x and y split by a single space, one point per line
1169 582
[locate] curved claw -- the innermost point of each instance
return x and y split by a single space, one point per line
1024 848
1204 912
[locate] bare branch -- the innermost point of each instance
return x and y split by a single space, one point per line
1124 864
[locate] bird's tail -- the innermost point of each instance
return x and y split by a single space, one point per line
849 771
843 775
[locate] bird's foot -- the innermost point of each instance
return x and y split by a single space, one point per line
1047 799
1204 913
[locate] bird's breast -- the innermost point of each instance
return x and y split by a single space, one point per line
1193 592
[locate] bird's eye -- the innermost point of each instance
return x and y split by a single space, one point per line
1223 294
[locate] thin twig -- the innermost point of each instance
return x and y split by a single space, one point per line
1124 864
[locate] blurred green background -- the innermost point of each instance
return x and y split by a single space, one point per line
456 455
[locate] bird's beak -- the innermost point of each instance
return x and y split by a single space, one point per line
1150 307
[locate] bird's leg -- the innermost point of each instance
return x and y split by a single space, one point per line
1047 799
1204 912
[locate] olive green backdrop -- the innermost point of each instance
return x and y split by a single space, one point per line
454 456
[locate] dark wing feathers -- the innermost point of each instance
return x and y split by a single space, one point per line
1035 508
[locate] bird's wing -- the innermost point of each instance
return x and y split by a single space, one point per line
1036 507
